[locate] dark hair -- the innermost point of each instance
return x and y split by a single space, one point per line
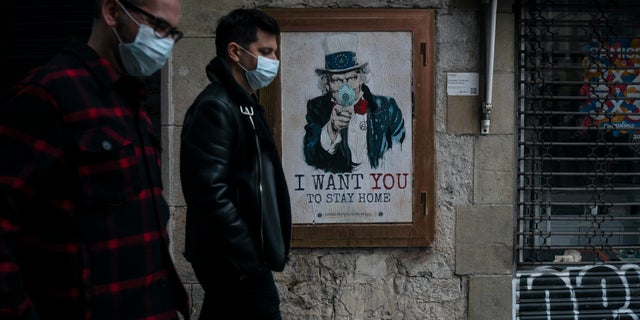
241 26
97 12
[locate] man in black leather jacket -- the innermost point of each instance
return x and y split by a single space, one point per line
238 209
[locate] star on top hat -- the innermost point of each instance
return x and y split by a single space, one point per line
340 53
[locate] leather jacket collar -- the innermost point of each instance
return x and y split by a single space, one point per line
218 71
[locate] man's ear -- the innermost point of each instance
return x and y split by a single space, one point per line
109 12
233 49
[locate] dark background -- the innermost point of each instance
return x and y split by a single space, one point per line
33 31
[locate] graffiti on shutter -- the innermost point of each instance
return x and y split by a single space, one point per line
578 293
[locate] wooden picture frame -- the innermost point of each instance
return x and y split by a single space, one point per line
400 48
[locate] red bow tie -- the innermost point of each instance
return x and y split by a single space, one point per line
360 107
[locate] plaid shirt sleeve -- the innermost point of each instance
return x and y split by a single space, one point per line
82 218
30 147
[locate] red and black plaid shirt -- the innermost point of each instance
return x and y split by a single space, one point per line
82 217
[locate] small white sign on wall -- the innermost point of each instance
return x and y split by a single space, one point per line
462 83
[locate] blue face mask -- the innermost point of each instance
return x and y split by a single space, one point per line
146 54
265 72
346 96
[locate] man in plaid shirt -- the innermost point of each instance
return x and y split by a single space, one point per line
82 217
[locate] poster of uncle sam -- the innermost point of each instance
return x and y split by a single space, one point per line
347 126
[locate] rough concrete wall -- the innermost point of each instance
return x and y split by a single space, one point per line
466 273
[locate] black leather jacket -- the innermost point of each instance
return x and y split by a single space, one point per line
237 199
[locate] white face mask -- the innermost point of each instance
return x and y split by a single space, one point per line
147 53
265 72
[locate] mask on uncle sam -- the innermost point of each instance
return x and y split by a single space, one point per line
346 96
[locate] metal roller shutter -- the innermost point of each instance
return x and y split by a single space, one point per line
578 232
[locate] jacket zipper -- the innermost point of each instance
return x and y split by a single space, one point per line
248 111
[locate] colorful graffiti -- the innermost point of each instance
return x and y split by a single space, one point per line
578 293
612 85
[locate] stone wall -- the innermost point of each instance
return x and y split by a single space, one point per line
466 273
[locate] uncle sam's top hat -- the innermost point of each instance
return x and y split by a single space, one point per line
340 53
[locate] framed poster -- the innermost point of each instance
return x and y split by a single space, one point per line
352 111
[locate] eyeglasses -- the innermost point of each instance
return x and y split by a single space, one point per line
162 28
